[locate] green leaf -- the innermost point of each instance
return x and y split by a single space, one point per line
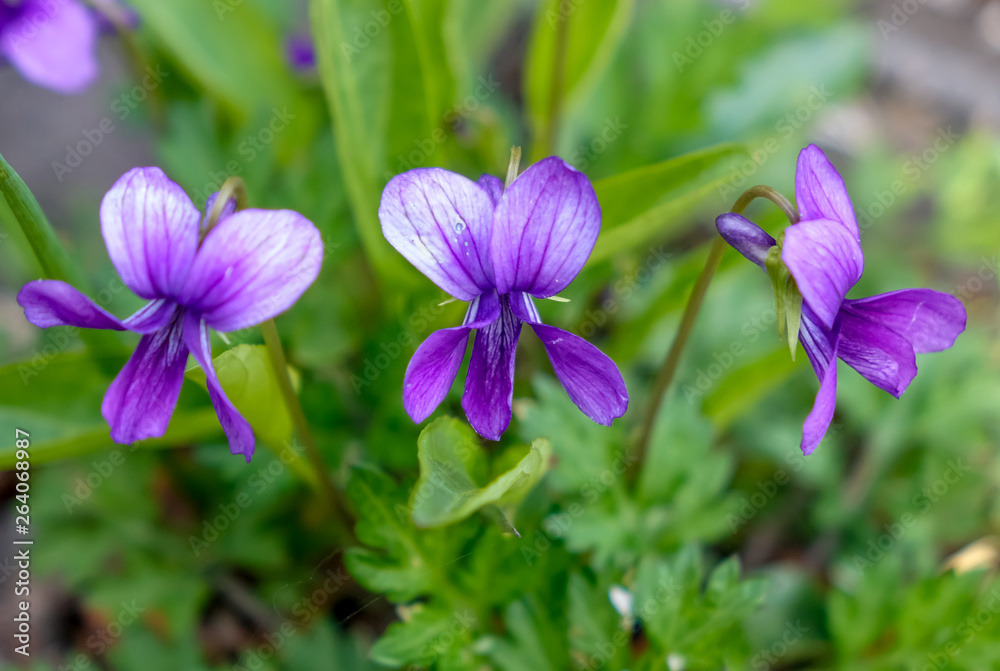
382 574
383 523
595 629
357 80
446 491
583 449
651 202
28 213
248 378
593 31
427 632
743 388
233 51
704 627
57 399
534 639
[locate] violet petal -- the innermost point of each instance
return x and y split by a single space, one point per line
818 421
820 192
252 266
493 186
441 222
432 369
545 227
489 385
236 427
54 303
819 341
53 45
140 401
826 261
930 320
150 227
885 358
588 375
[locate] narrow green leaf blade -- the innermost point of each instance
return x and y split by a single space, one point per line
649 202
52 257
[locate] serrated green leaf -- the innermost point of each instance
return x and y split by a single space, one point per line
427 633
400 581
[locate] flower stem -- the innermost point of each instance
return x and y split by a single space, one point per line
669 368
666 374
761 191
234 189
327 488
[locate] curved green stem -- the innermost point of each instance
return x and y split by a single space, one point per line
669 368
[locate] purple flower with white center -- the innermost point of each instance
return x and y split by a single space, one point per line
499 249
52 43
877 336
251 266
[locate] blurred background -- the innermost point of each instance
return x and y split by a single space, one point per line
879 551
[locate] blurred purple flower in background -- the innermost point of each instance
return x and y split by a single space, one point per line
498 249
51 43
301 53
251 266
877 336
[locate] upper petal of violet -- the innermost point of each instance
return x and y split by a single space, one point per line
820 192
150 227
545 227
493 186
826 261
252 266
52 44
441 222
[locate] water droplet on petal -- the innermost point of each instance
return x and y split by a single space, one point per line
459 226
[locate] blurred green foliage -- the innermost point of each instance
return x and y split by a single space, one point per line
731 550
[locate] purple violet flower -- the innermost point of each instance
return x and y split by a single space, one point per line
52 43
877 336
251 266
498 249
